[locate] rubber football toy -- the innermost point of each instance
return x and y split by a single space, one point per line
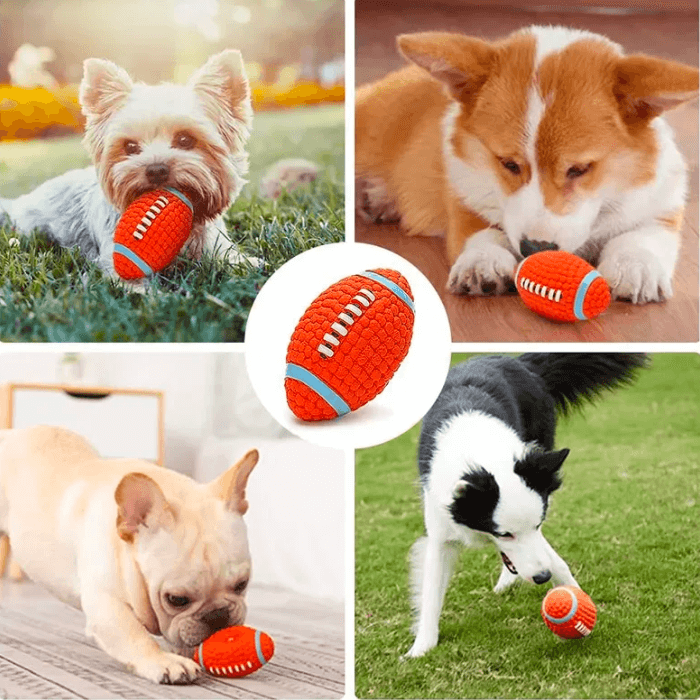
569 612
235 652
348 344
151 233
561 286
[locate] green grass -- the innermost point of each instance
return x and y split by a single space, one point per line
627 520
51 294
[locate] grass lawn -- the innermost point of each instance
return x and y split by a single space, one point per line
50 294
627 520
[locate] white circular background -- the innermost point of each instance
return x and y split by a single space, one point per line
281 303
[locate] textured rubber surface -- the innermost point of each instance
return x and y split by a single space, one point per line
151 233
561 286
366 352
569 612
235 652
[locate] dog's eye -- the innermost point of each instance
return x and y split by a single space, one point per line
504 535
511 166
577 170
240 587
184 140
131 148
177 601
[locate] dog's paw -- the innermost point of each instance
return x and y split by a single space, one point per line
373 203
166 668
505 580
636 275
419 648
235 257
483 269
564 580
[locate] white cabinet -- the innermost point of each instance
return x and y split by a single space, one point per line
117 422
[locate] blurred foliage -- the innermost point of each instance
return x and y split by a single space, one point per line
27 113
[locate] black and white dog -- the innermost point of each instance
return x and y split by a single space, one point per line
487 467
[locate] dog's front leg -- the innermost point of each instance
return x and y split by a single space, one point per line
561 574
113 625
429 599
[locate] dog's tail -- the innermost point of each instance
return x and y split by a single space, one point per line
572 378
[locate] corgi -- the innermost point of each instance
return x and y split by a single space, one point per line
488 467
551 138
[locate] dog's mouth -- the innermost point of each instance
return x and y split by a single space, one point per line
200 207
509 564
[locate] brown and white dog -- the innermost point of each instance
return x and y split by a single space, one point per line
550 138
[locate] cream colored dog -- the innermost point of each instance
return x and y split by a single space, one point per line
140 549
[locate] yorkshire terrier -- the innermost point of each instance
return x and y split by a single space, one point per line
141 137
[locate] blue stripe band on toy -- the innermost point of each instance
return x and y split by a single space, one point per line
390 285
571 613
334 400
581 294
258 648
201 656
181 196
130 255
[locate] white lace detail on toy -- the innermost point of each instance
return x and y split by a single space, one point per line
153 211
339 329
540 289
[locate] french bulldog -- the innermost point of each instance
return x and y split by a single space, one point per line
143 551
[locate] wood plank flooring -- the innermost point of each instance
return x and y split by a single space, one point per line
44 652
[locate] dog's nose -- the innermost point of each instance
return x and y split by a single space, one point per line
157 173
528 247
542 577
216 619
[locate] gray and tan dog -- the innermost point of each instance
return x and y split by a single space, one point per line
142 137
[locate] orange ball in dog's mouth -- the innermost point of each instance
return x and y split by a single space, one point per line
151 233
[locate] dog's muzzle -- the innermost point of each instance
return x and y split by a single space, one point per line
509 564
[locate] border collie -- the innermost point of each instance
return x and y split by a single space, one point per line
488 467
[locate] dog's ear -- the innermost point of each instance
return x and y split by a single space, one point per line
223 86
141 504
230 486
104 87
540 470
645 86
463 63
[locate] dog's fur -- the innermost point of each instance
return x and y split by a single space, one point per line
550 138
141 137
142 550
488 467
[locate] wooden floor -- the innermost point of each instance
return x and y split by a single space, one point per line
45 654
505 319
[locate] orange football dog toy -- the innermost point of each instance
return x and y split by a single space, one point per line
235 652
151 233
569 612
348 344
561 286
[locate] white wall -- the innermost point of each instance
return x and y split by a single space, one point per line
212 416
185 378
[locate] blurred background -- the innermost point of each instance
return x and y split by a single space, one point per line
197 414
293 50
